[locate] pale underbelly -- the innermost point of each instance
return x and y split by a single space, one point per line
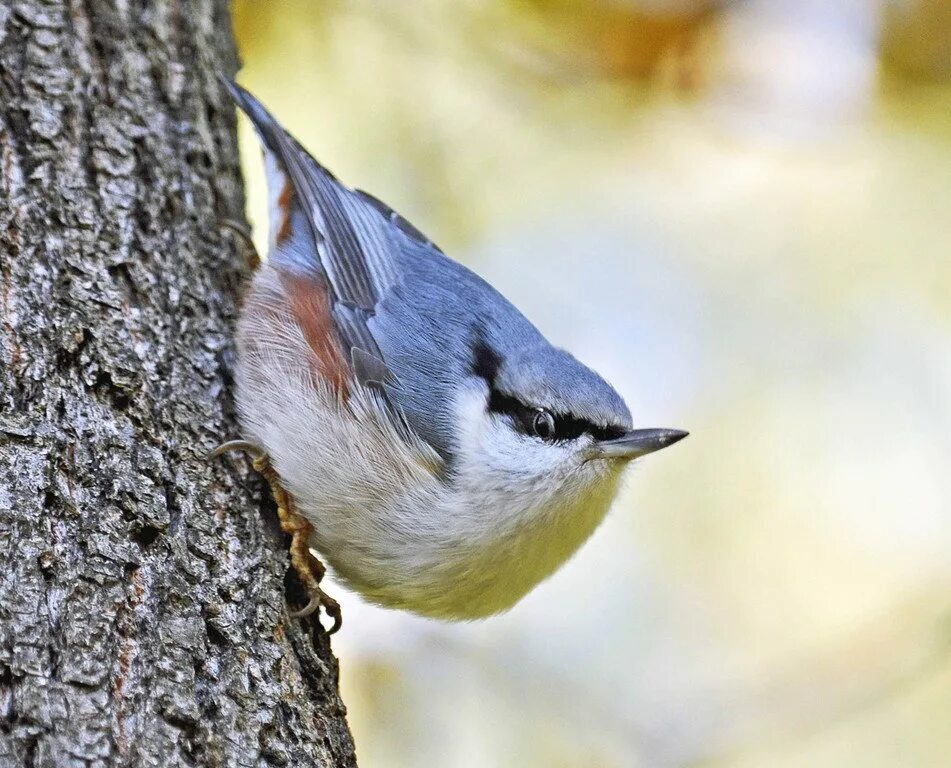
457 577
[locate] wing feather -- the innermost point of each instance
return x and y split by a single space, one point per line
351 243
337 244
353 250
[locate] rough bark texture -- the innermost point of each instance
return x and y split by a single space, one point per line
142 611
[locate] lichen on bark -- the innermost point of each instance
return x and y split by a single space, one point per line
143 619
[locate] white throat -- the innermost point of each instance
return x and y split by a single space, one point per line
519 507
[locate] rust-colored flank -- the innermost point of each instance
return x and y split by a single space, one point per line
284 204
309 302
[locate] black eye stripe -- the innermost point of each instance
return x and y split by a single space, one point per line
486 364
567 427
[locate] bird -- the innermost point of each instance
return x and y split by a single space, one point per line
417 430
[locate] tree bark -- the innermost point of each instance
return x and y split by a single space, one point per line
143 619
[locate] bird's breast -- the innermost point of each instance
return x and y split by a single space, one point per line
473 557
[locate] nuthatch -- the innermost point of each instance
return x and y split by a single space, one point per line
418 431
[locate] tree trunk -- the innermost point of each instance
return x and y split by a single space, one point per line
143 619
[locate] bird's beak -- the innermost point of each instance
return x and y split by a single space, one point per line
636 443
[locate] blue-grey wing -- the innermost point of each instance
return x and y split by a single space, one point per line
350 232
351 241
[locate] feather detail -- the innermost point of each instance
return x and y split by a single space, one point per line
345 239
284 210
309 303
369 370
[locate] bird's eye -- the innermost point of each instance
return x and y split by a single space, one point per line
543 424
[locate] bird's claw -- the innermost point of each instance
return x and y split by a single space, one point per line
255 451
244 235
318 599
309 569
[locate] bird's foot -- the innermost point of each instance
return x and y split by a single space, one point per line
309 569
244 235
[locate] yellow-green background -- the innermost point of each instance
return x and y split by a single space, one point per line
740 213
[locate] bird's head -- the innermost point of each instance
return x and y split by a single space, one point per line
540 425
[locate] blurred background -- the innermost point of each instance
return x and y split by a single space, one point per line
739 213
